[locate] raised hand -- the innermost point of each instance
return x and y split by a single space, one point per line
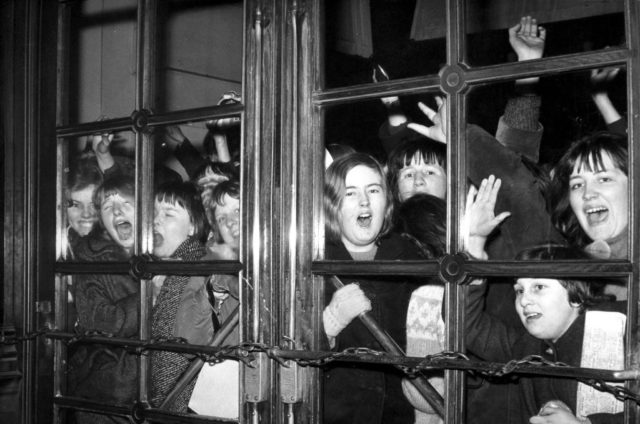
437 131
527 39
479 219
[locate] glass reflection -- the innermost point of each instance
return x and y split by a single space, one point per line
98 197
565 181
497 30
207 156
361 35
102 71
200 53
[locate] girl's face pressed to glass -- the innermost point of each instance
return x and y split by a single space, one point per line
118 217
171 227
363 208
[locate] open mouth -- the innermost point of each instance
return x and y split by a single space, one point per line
157 239
364 220
532 316
124 229
596 215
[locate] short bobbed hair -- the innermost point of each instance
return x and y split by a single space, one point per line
584 291
430 151
185 195
334 189
587 152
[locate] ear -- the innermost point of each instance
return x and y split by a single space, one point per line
192 229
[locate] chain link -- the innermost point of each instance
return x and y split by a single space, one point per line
244 353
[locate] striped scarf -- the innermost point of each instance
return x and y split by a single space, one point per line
167 367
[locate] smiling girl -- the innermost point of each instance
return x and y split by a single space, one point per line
590 198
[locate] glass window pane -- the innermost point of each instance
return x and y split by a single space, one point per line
361 35
98 196
192 309
568 27
200 53
102 305
206 154
560 320
102 68
542 130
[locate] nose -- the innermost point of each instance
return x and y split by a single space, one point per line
364 198
232 220
418 180
589 191
117 209
525 299
87 211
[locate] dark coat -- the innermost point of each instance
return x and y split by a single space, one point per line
367 393
105 303
492 340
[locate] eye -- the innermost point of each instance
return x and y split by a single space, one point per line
539 287
349 193
605 179
406 175
374 190
575 186
73 204
519 291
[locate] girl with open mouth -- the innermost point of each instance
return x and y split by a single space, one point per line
358 211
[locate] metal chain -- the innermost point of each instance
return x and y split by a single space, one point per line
245 353
15 340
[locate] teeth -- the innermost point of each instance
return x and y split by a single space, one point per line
596 210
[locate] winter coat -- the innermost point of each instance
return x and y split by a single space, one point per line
369 393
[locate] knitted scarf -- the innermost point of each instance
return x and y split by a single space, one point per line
167 367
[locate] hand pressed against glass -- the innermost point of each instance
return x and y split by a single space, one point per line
599 198
118 217
227 217
81 212
544 308
363 207
171 227
421 177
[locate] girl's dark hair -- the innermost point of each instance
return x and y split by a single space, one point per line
588 153
83 175
424 217
584 291
186 196
430 151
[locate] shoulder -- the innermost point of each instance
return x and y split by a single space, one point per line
97 246
396 246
